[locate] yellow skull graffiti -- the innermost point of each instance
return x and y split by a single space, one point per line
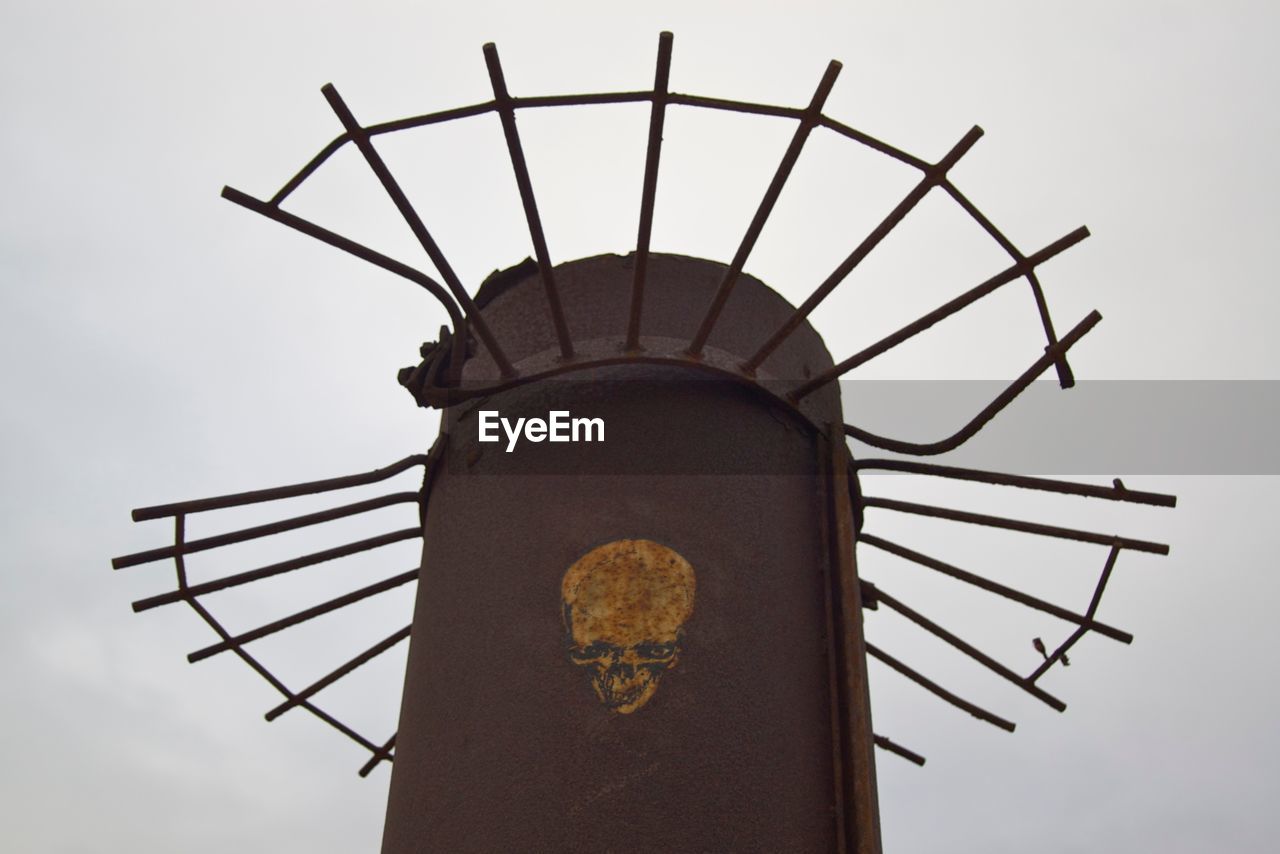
625 606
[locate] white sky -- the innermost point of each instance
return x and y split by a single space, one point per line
160 343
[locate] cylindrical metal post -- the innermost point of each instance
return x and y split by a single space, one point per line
626 644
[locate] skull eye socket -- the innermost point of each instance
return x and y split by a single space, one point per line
593 651
656 651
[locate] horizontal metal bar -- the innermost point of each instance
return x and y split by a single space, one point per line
266 530
276 569
968 649
736 106
928 181
325 681
990 411
1044 484
584 100
304 615
449 115
994 587
936 689
1016 525
897 749
160 511
1017 270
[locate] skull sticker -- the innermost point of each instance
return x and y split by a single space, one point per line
625 606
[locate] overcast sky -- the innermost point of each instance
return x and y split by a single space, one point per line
160 343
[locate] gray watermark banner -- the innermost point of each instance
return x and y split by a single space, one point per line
712 426
1202 427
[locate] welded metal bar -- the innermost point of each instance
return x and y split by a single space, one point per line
304 615
364 253
308 169
179 560
277 569
1085 620
932 177
379 755
969 650
1057 654
277 684
278 492
875 144
732 106
832 632
909 755
507 113
990 411
1044 484
267 530
339 726
179 552
373 130
808 120
1016 525
327 680
1065 377
469 111
361 138
847 647
1103 579
944 311
585 100
657 116
937 690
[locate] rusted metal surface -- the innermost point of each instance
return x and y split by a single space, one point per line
849 655
931 179
236 644
625 608
691 348
597 299
623 660
1018 269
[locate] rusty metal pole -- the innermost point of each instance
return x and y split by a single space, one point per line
650 643
849 661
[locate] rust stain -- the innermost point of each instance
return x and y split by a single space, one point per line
625 606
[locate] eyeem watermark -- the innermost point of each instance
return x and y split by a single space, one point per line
558 426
